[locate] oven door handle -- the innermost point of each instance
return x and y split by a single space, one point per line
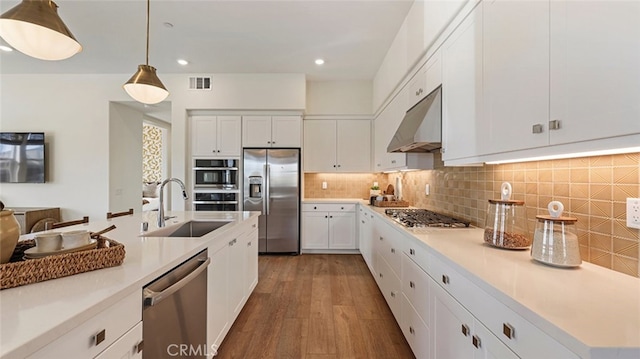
151 297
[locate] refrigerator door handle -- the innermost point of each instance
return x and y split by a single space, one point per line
266 191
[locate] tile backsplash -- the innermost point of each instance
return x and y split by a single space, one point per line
592 189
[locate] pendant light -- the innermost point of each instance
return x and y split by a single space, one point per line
145 86
34 28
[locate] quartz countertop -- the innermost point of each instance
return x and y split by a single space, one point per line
336 200
593 311
34 315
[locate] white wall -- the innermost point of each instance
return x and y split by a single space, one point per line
74 112
339 97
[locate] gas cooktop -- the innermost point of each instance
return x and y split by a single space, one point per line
420 218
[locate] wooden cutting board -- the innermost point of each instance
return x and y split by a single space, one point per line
389 189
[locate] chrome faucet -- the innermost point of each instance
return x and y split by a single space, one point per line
161 217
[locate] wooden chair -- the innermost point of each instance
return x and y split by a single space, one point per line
119 214
84 219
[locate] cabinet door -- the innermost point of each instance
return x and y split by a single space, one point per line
366 238
126 347
319 145
315 230
462 126
595 71
415 330
251 261
451 326
217 302
433 73
256 131
515 74
353 145
286 131
203 136
342 230
237 276
389 285
385 126
229 136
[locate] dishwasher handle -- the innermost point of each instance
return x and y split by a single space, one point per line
151 297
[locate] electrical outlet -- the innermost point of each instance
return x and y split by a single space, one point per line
427 189
633 213
324 185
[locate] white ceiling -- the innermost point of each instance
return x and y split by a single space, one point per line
218 36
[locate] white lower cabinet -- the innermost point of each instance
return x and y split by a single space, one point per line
328 226
231 276
415 330
127 347
390 286
365 236
98 333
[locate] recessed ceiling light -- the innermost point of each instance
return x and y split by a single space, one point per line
183 62
319 61
5 48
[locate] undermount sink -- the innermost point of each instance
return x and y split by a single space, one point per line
188 229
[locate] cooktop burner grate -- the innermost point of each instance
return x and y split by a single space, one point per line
424 218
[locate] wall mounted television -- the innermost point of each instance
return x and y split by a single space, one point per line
22 157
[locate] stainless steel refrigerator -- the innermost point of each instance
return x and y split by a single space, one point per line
272 186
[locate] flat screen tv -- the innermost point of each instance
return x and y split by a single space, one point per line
22 157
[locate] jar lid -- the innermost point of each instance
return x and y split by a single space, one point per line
509 202
546 217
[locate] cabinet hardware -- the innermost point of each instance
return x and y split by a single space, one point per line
411 330
334 166
508 330
326 216
445 279
411 284
341 207
412 251
393 250
394 161
537 128
338 165
554 125
372 216
254 226
393 294
465 330
314 207
100 337
248 244
330 216
476 341
380 274
362 222
273 142
380 237
139 346
268 141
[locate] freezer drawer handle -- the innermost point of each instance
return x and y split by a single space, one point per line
152 298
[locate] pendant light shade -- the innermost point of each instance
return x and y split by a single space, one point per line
34 28
145 86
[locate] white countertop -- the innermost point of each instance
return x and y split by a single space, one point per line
336 200
589 309
34 315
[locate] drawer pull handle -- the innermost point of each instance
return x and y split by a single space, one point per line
465 330
554 125
315 207
412 251
476 341
362 222
537 128
411 330
508 330
393 250
100 337
445 279
248 244
380 237
140 346
411 284
380 275
393 294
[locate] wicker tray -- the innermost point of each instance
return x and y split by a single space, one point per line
391 203
19 271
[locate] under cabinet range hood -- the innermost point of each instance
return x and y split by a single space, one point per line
421 128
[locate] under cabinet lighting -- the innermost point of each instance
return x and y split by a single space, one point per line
569 155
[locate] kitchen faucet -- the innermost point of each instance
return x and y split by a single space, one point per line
161 217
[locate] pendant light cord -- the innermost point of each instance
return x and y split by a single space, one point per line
148 12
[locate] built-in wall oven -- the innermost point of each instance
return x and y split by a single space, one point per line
216 185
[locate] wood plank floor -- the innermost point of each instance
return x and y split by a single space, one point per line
315 306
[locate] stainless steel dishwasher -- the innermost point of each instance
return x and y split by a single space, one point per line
175 312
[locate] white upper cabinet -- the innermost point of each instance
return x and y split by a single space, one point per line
337 146
515 74
385 126
271 131
216 136
426 79
462 125
595 69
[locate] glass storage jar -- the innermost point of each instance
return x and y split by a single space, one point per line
555 241
506 222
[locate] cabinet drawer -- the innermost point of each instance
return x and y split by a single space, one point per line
389 285
126 347
328 207
415 330
81 342
416 252
415 286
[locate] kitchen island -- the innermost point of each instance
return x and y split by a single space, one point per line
35 315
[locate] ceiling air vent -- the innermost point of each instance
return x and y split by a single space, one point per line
199 83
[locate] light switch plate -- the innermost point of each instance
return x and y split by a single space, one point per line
633 213
324 185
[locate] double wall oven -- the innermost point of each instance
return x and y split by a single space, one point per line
216 185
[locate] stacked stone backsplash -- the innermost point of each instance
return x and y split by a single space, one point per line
592 189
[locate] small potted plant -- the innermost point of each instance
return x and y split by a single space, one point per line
375 191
